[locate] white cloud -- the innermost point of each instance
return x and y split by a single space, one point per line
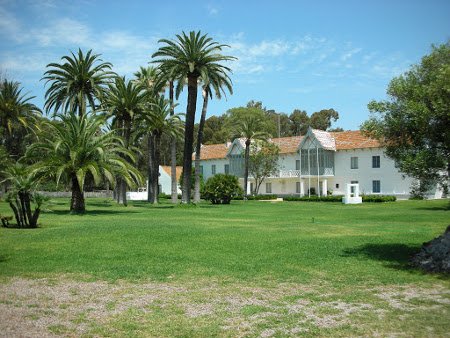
212 10
347 55
62 32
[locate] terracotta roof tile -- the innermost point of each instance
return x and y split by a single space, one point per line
214 151
168 170
344 140
287 144
353 140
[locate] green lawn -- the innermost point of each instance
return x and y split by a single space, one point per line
330 253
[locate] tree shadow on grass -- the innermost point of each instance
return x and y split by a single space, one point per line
395 255
91 212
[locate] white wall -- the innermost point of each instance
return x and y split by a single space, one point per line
207 167
392 181
165 181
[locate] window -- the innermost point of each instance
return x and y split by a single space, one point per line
213 169
337 185
251 188
376 186
297 187
227 169
269 188
354 182
375 161
201 169
353 162
297 164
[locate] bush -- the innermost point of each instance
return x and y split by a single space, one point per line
257 197
378 198
338 198
221 188
331 198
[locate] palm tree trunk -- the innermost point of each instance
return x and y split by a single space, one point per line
156 162
77 201
189 139
173 153
199 146
150 169
247 156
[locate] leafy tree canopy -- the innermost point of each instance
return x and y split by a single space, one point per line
413 124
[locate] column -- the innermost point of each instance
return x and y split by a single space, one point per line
324 187
302 188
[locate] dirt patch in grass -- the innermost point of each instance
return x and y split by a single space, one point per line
63 306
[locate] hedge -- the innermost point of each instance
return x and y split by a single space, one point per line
257 197
338 198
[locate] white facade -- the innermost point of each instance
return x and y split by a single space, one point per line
165 186
333 164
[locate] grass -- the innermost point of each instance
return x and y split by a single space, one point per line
338 253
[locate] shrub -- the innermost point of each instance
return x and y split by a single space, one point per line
257 197
314 198
221 188
378 198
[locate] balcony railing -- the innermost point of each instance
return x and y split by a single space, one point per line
296 173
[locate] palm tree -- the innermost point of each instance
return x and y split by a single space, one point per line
75 147
248 123
79 81
218 83
22 195
155 80
17 115
158 120
190 56
124 102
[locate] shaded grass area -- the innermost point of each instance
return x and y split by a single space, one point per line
253 240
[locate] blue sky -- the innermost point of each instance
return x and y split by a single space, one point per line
308 55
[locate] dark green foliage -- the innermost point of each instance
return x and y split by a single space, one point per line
413 124
314 198
378 198
221 189
257 197
22 196
338 198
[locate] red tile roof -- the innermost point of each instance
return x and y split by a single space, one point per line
345 140
354 139
287 144
168 170
213 151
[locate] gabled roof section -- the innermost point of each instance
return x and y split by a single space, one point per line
213 151
168 170
324 138
353 139
237 143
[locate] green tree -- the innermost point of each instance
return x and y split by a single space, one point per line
248 123
155 81
22 195
190 57
413 124
300 122
75 147
218 82
81 80
263 162
17 116
322 119
157 121
124 102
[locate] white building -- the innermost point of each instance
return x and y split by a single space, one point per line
165 184
318 163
